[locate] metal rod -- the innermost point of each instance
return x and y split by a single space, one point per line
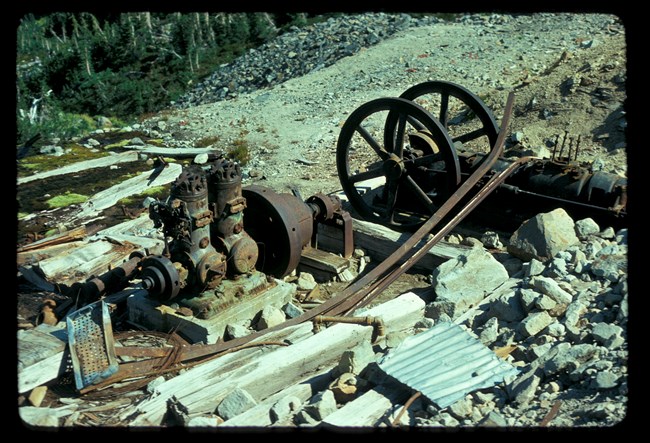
408 403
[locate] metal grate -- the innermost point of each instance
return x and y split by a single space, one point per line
92 348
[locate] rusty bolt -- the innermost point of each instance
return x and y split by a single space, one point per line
237 228
205 241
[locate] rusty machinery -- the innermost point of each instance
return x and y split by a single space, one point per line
216 233
428 183
398 163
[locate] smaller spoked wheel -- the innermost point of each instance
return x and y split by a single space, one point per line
463 114
402 183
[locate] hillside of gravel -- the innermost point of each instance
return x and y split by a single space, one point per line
568 72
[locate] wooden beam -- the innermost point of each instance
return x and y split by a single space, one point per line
325 261
271 372
368 410
82 262
102 162
258 416
173 152
40 356
379 242
65 237
109 197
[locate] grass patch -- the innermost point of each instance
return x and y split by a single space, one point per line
67 199
155 191
206 141
156 142
22 215
43 162
119 144
239 151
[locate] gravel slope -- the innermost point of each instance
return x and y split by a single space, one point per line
568 71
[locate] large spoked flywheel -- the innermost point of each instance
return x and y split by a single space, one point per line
401 182
463 114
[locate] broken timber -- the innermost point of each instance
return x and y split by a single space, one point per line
172 152
259 416
109 197
367 410
379 242
109 160
78 260
272 371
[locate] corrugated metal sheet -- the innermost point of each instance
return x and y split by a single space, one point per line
445 363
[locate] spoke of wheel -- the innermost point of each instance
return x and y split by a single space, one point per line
401 128
470 135
391 199
419 193
366 175
444 108
372 142
415 123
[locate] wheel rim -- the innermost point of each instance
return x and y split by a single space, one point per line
446 90
396 166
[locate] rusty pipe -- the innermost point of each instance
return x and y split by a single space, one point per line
111 281
376 322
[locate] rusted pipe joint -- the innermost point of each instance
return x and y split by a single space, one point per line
379 329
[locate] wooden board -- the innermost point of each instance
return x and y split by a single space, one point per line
82 262
172 152
379 242
368 410
323 260
272 372
82 166
109 197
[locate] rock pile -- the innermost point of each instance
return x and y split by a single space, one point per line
561 317
297 53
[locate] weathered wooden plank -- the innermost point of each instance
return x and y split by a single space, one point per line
80 263
325 261
258 416
140 226
65 237
136 185
102 162
271 372
172 152
368 410
379 242
41 372
33 257
38 343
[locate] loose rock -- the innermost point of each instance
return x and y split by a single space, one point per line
461 283
354 361
535 323
543 236
608 335
271 316
201 159
586 227
284 408
235 403
236 331
306 281
321 405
